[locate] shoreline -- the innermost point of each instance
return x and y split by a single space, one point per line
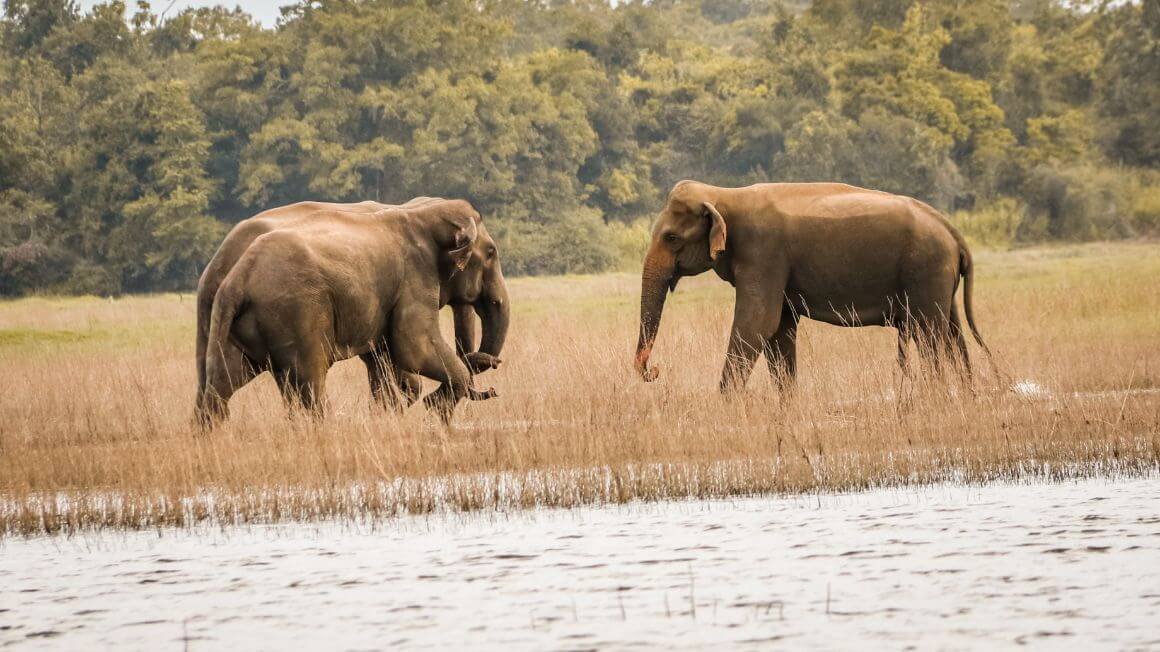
201 513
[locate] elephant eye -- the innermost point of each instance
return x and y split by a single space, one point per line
671 237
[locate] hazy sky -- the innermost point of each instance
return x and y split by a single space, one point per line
266 11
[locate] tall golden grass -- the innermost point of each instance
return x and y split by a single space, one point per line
96 423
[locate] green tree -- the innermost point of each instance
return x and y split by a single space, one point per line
139 188
29 22
129 140
1130 85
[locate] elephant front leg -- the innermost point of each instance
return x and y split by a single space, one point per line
440 363
418 347
755 320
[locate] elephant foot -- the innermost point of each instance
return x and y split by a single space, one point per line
209 412
476 395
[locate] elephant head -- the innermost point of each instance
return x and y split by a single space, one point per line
688 237
473 284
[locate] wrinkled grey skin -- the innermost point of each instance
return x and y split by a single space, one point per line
832 252
339 255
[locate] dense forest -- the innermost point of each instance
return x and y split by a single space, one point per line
131 141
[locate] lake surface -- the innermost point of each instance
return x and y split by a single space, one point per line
1057 565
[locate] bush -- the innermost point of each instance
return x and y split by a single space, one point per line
1146 205
90 278
996 224
630 240
1078 203
903 156
576 242
882 151
31 265
1146 211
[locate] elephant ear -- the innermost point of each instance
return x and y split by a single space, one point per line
717 230
463 236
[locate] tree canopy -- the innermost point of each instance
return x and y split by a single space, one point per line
130 142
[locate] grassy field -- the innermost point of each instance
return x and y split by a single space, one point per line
96 409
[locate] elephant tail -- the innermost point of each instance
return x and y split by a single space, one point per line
226 304
205 297
967 271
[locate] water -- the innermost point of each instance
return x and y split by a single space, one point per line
1058 565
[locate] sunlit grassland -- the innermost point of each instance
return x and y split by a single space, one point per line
96 428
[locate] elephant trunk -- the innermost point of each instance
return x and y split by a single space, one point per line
495 313
655 280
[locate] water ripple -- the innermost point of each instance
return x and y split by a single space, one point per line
938 567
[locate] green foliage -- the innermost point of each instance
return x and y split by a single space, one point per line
1082 202
630 241
576 242
1146 211
995 225
1130 84
819 148
129 141
30 264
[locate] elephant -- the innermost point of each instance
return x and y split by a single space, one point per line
479 288
827 251
296 289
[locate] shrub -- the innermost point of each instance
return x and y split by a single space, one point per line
1146 211
90 278
1078 203
996 224
1146 203
576 242
630 241
31 265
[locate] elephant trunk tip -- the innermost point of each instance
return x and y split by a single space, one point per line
479 362
647 373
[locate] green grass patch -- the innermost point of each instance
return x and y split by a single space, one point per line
24 337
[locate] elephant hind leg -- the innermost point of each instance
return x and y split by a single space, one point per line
391 387
928 334
301 375
781 355
905 334
941 340
213 402
303 386
960 343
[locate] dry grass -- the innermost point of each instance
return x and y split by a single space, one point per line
95 412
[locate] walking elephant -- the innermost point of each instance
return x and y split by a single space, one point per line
831 252
297 288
